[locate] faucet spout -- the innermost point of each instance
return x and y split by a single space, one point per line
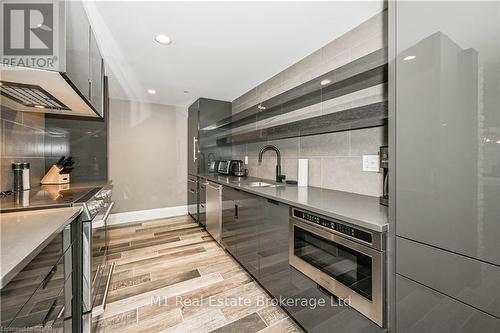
279 176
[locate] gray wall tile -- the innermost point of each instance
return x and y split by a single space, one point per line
331 144
335 159
345 174
367 141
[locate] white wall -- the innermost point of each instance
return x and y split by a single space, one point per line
147 155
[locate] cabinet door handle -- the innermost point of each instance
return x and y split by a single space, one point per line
235 211
47 316
49 276
192 191
192 181
195 140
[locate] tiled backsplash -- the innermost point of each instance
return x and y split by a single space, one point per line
335 159
40 140
22 135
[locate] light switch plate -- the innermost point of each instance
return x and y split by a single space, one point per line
371 163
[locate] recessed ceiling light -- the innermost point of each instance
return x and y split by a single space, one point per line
325 82
40 106
185 91
163 39
410 57
151 91
261 107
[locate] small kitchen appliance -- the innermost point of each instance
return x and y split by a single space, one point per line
213 166
224 167
384 164
237 168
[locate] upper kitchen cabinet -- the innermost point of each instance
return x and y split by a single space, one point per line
64 74
96 75
203 114
77 47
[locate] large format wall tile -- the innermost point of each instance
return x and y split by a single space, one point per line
335 159
345 174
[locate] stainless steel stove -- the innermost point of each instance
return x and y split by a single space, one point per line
91 270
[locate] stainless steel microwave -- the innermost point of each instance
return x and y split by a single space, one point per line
347 261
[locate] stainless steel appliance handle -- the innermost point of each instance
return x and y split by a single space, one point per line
217 187
99 309
98 223
195 140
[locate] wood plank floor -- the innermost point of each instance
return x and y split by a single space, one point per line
171 276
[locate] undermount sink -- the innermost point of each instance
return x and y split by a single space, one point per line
261 184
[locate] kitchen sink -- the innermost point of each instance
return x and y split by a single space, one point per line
261 184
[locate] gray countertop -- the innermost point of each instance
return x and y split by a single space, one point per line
24 234
47 196
361 210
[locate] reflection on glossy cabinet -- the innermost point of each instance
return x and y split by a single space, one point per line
421 309
35 299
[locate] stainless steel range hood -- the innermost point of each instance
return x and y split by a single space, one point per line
63 73
37 90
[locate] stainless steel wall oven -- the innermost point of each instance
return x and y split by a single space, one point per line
346 260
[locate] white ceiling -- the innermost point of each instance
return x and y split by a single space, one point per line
219 50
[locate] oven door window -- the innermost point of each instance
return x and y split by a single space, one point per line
349 267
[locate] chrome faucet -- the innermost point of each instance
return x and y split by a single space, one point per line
279 176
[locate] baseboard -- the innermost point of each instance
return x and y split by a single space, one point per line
144 215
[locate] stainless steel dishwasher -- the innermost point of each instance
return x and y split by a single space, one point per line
214 210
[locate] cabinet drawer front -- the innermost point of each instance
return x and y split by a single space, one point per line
44 274
46 306
470 281
421 309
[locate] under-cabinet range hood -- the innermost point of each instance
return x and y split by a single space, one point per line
38 90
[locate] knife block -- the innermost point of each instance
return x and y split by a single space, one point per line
53 176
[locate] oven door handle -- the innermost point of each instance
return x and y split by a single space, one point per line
101 222
97 310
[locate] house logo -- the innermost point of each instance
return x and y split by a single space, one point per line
28 29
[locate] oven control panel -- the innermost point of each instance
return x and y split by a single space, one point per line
334 225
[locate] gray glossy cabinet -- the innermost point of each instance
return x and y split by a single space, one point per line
84 64
40 296
77 47
447 126
96 75
421 309
193 119
202 207
255 232
232 228
446 154
467 280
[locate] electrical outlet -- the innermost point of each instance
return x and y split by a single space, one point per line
371 163
246 160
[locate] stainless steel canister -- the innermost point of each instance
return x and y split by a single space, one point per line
21 172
